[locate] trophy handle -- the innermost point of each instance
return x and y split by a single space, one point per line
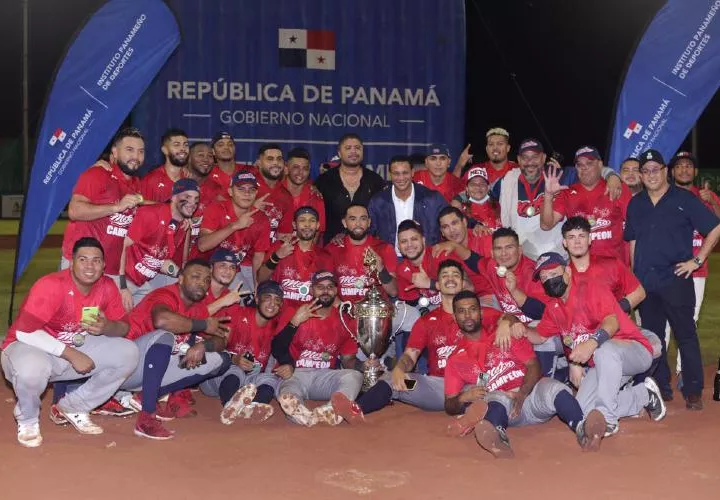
346 305
401 321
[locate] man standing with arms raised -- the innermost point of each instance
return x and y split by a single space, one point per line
659 227
347 184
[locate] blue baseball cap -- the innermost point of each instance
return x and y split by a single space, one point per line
438 149
269 287
183 185
224 255
548 260
220 135
244 177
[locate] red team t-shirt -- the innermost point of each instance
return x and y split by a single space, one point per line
588 304
295 271
449 187
698 238
245 242
353 282
156 237
55 304
504 369
438 332
140 318
103 187
617 277
481 245
404 272
317 343
607 218
487 213
523 273
157 185
494 175
247 336
210 192
278 205
308 198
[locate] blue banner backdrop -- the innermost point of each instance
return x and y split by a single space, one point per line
107 68
673 75
303 72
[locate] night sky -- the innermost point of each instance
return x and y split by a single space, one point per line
568 58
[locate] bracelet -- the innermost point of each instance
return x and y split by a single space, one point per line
123 282
209 345
385 277
198 325
275 258
270 264
433 285
624 304
600 336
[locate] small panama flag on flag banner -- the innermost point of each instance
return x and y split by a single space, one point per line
633 128
312 49
59 135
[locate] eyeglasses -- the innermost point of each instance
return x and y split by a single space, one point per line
652 171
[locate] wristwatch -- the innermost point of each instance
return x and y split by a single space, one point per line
698 261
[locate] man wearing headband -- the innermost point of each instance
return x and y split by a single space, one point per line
307 350
156 236
292 263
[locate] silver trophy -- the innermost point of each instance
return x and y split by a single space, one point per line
374 321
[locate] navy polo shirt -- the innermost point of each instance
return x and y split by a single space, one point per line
663 233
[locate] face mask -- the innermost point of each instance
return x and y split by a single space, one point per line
555 286
481 201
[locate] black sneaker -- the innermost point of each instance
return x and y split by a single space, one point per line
656 407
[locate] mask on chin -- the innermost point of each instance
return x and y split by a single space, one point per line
555 286
480 201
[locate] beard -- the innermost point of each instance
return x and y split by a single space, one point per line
416 256
176 162
326 300
357 237
126 169
269 175
306 235
470 326
683 184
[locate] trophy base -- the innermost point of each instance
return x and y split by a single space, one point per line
371 375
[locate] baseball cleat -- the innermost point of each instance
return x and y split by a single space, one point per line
296 411
179 406
148 426
256 412
326 413
81 422
590 432
346 409
464 424
611 430
29 435
242 398
493 439
656 406
112 408
56 417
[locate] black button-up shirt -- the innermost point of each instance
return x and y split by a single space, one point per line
337 198
663 233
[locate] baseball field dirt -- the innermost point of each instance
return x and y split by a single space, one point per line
400 452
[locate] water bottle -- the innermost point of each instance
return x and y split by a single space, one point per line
716 391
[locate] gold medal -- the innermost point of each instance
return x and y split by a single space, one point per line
78 339
530 211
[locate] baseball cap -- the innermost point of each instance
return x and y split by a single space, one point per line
438 149
651 155
548 260
476 172
323 275
410 224
306 209
497 131
588 152
269 287
220 135
530 144
183 185
683 155
224 255
244 177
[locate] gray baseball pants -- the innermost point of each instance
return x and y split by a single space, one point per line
320 384
538 407
29 370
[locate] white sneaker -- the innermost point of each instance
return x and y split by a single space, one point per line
242 398
29 435
82 422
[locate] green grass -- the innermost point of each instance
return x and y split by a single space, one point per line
48 260
12 226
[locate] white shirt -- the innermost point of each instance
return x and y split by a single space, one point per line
403 211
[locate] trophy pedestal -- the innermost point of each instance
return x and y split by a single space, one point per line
371 375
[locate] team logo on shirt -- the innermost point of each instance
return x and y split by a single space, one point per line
296 290
119 223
